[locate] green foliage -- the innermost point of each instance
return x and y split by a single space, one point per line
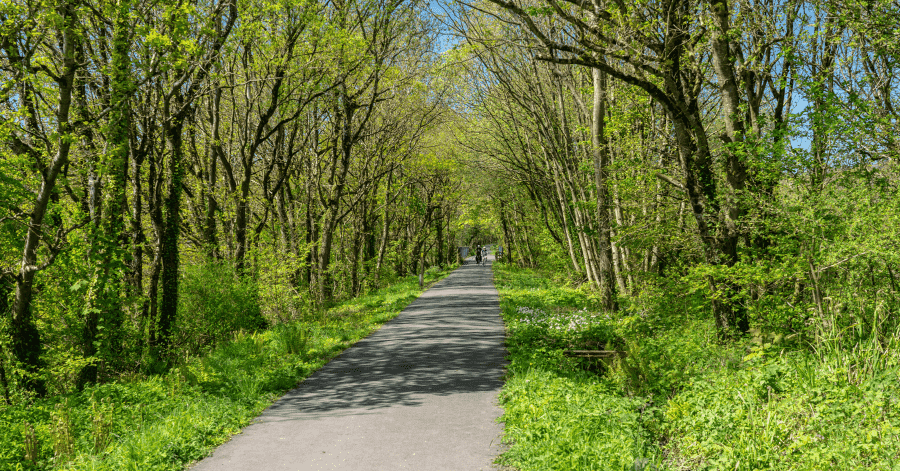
214 302
165 422
281 296
570 423
558 413
786 412
681 399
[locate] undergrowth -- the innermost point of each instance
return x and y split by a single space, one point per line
559 412
167 421
676 398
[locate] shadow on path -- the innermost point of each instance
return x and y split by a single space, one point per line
419 393
445 342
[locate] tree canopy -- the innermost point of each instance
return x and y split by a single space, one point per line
740 153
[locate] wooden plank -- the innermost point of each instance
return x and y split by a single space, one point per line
610 352
593 353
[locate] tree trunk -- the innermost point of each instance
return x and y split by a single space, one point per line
241 215
104 302
153 301
369 249
735 315
285 228
137 230
323 277
356 252
169 251
601 162
26 340
561 200
439 229
155 183
6 286
385 228
507 238
210 231
421 264
311 238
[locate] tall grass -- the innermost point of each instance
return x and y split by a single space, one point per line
679 399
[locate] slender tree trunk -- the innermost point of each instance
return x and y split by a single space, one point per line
507 237
241 215
210 230
311 237
26 341
3 381
6 286
324 278
137 229
528 252
285 231
620 254
369 246
385 228
585 244
356 249
561 199
155 183
439 229
422 257
153 301
601 163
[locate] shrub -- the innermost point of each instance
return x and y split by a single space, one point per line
214 302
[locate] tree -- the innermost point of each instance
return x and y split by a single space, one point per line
20 47
184 80
104 305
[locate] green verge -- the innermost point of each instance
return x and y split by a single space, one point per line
679 399
558 413
166 422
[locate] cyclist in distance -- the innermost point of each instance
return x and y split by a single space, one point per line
478 255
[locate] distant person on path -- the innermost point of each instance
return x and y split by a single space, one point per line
478 255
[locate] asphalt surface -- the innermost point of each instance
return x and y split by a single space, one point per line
420 394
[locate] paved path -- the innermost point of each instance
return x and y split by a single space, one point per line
418 394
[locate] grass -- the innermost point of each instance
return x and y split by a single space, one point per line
559 414
681 400
166 422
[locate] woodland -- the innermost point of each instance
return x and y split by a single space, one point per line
174 175
285 150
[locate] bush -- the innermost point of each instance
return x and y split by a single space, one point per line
214 302
282 296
